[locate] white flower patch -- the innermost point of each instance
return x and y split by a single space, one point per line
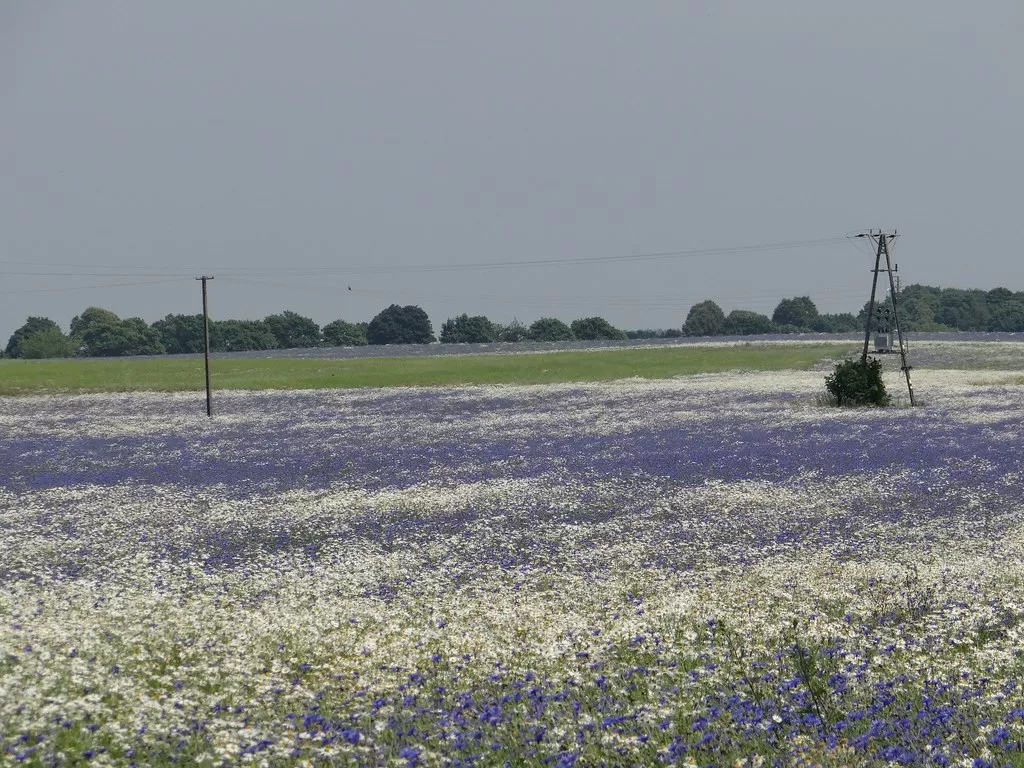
611 571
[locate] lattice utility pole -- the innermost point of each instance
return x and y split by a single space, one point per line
882 240
206 347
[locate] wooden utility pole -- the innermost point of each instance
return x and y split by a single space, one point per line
206 346
882 241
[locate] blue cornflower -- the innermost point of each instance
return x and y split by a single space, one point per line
999 736
899 754
615 720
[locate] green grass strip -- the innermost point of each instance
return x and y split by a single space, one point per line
28 377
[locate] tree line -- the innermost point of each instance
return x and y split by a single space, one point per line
921 308
100 332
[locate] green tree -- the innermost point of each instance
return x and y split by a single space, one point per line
464 329
90 318
292 330
513 332
241 336
1008 316
31 326
341 334
799 311
843 322
704 319
643 333
121 339
742 322
918 305
1005 310
400 325
550 329
100 339
180 334
594 329
964 310
998 296
144 340
48 342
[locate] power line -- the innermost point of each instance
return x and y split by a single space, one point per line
436 267
270 276
485 266
619 301
668 296
88 287
94 274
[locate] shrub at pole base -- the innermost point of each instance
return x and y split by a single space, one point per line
857 382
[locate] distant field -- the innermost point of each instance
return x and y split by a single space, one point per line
26 377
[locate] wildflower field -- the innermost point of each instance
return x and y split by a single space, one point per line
700 570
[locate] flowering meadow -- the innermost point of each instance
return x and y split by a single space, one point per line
708 570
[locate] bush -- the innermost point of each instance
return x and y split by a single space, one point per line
857 382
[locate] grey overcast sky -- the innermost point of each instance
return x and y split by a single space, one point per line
262 141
